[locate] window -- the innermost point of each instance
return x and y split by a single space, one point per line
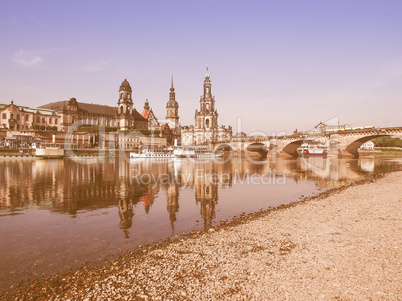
18 116
55 121
4 116
43 120
50 120
37 119
11 116
26 117
207 122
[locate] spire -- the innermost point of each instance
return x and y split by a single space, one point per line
172 98
172 88
207 74
146 105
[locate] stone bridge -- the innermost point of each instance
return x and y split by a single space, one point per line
343 143
241 145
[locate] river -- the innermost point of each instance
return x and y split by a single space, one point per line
59 214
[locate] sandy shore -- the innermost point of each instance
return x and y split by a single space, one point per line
345 246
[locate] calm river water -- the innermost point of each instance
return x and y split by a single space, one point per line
57 214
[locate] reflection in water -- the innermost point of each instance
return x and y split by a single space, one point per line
47 205
67 186
367 164
126 215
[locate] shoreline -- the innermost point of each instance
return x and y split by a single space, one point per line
92 277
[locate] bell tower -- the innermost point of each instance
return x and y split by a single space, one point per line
208 103
125 102
207 117
172 107
125 106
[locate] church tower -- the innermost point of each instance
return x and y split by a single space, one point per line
172 108
125 106
207 117
206 130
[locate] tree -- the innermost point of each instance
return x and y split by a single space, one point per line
387 141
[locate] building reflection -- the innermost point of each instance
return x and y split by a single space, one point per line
73 186
324 171
172 194
126 215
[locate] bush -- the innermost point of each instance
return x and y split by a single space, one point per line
42 127
387 141
95 128
144 132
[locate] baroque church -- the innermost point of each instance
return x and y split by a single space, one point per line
122 118
206 129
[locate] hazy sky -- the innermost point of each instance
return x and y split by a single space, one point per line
280 65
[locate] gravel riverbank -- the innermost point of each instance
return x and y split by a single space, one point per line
342 246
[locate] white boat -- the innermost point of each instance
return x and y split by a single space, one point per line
203 152
183 152
49 152
153 153
176 152
307 149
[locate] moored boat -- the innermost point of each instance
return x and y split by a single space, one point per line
153 153
50 152
176 152
206 153
307 149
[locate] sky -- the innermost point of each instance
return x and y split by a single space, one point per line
278 65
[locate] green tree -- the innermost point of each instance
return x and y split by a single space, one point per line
387 141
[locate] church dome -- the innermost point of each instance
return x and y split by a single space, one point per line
125 86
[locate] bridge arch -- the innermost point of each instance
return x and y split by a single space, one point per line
228 151
258 147
353 146
291 148
224 147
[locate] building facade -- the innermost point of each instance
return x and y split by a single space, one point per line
369 145
22 118
206 128
148 114
123 117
